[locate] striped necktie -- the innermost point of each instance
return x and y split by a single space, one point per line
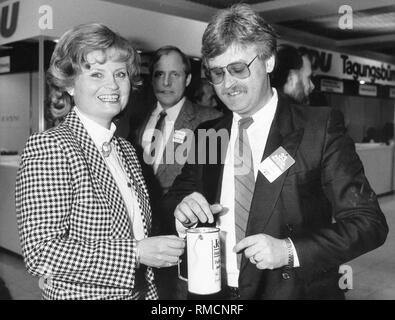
244 180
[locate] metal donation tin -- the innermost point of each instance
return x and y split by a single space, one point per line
204 260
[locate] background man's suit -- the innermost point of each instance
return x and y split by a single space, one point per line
190 116
326 180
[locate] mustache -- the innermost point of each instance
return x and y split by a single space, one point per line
235 88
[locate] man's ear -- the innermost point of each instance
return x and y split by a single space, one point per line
270 64
292 79
188 80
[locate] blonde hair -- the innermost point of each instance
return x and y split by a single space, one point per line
70 56
240 25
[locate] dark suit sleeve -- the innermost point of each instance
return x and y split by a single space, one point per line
359 225
187 182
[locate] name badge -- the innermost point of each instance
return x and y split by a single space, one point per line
179 136
276 164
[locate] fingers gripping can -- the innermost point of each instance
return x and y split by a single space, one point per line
204 260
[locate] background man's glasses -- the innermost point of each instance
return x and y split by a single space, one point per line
240 70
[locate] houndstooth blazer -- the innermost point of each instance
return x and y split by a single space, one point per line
74 229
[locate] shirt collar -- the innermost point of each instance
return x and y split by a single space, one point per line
98 133
265 114
172 112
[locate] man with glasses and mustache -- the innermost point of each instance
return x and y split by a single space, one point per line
289 194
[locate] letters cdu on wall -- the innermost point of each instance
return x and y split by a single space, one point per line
9 21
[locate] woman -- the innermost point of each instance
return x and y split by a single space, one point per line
82 204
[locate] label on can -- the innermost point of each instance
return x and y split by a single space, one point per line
204 260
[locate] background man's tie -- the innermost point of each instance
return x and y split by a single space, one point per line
159 126
244 180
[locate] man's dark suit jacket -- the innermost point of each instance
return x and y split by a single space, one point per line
324 203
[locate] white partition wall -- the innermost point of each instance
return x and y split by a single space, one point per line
15 106
378 161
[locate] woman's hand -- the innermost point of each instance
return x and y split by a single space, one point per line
161 251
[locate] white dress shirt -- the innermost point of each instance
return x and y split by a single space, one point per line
99 135
171 117
258 133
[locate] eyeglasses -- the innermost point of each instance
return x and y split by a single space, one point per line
240 70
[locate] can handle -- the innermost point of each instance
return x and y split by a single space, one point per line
179 271
200 237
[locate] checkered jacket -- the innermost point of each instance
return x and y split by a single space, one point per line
74 228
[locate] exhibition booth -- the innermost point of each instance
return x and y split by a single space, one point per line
27 35
353 84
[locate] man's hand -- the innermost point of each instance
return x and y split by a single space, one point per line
161 251
264 251
194 208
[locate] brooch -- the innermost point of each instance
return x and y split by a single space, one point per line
106 149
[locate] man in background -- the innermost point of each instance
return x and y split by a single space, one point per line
292 74
204 94
172 115
162 132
